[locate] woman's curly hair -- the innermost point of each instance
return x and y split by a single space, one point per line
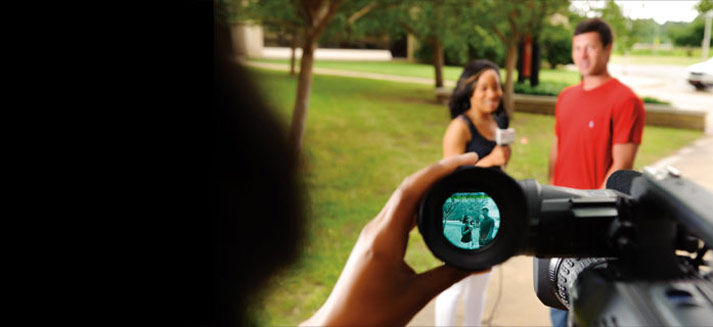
460 99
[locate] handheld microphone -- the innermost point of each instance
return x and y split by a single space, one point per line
505 136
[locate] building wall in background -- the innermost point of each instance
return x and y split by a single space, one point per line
248 40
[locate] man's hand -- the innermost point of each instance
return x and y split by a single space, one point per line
623 156
553 160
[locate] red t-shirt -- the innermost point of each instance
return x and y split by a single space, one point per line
587 124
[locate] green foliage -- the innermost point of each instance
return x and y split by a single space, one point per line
669 30
624 37
453 54
654 100
275 15
483 44
556 43
479 44
515 19
574 17
690 35
378 23
645 30
285 17
430 20
434 22
704 6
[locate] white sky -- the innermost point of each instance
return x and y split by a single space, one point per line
660 11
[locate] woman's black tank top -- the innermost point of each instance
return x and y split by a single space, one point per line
478 143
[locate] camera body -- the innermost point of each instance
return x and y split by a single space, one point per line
612 256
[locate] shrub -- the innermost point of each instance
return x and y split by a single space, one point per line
556 45
459 50
654 100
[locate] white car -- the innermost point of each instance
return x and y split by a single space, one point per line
700 75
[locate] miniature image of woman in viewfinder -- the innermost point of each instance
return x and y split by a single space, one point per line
477 112
467 230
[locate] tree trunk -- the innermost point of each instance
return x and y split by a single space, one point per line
293 47
510 62
304 84
438 61
535 71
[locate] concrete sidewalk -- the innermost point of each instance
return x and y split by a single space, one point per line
329 54
510 299
695 162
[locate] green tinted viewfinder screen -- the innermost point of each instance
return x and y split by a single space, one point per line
470 220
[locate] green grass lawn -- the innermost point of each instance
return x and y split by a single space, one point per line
362 138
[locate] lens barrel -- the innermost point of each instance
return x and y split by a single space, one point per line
530 219
487 187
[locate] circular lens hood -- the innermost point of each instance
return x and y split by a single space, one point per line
508 196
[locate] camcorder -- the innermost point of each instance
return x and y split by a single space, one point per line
635 253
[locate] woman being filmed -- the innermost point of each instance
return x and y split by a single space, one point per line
477 112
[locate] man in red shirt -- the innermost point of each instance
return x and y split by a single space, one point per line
598 122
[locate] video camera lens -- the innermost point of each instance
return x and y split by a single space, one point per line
474 218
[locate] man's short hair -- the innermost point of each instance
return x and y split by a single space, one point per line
596 25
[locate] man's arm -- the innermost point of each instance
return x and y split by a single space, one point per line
623 156
628 128
553 159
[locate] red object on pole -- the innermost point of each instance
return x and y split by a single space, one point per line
527 56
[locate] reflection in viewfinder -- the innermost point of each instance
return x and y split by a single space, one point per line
470 220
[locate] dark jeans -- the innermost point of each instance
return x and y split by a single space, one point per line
559 317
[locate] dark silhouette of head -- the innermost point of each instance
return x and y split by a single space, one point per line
257 197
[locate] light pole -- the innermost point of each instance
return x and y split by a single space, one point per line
707 34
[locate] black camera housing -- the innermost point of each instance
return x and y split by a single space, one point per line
544 221
607 245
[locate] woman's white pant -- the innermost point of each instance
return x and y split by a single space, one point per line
473 290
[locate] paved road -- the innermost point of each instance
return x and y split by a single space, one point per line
666 82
